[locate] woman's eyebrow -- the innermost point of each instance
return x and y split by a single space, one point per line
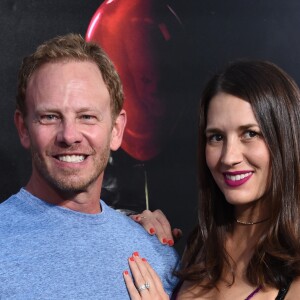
250 125
212 130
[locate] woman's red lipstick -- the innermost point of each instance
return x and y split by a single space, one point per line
234 179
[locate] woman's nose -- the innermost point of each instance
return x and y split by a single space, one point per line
232 153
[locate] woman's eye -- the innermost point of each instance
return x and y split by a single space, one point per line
250 134
215 138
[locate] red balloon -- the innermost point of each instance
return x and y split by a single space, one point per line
137 35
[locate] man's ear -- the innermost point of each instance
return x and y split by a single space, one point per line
22 129
118 130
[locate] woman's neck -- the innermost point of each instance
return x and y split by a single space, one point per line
252 213
240 245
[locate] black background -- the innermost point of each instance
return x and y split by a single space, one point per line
215 32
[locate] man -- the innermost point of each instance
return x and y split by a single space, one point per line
57 240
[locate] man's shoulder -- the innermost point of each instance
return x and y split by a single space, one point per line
123 222
8 205
133 233
13 210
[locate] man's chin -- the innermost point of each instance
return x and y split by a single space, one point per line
71 186
70 189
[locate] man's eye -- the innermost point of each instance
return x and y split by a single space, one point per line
88 119
48 118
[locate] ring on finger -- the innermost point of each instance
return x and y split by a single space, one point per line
143 287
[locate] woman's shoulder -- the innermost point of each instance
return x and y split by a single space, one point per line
294 290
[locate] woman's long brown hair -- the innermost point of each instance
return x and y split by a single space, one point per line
275 100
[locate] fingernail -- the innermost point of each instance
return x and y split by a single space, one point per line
152 230
164 240
170 243
136 253
131 258
125 272
144 259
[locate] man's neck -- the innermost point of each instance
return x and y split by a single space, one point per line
83 201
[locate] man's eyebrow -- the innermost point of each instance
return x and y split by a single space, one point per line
57 109
84 109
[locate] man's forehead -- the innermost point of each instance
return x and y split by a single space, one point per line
68 83
74 74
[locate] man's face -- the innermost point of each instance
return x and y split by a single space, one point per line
69 127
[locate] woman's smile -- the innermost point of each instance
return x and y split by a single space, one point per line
234 179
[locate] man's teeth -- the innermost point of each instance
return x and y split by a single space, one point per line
71 158
237 177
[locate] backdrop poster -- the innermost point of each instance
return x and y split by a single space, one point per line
164 51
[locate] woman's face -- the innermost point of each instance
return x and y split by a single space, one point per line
236 152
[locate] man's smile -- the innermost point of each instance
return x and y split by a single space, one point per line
71 158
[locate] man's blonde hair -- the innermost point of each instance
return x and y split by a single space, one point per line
67 48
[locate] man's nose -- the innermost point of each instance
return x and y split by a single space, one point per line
69 132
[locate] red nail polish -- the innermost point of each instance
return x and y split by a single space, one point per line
136 253
125 272
144 259
164 240
152 230
171 243
131 258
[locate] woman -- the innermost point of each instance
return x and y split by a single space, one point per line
247 242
